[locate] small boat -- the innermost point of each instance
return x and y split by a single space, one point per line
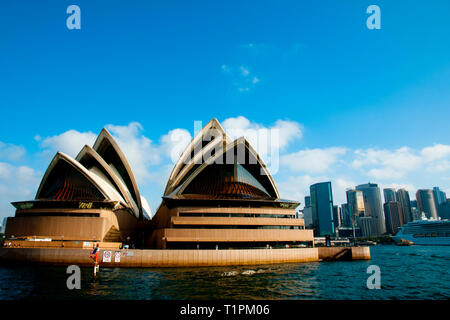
404 242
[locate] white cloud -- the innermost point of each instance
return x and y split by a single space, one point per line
16 183
339 187
69 142
399 168
289 131
242 127
313 160
268 141
139 150
174 143
439 166
386 173
435 152
11 152
386 164
297 187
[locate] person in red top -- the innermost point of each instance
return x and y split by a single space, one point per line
94 256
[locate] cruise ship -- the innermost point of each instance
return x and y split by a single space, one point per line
425 232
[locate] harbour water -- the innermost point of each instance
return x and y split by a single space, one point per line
415 272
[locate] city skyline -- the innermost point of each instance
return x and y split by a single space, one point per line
367 213
353 105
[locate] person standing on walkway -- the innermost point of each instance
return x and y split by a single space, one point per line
94 256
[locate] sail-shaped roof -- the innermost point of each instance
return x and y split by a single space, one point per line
210 140
92 161
67 179
244 176
109 150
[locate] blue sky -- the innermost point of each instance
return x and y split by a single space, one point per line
356 105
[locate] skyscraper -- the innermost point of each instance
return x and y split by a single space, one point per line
373 206
336 216
355 201
367 225
426 203
307 213
322 209
394 216
404 200
389 195
346 218
439 196
308 201
440 199
444 211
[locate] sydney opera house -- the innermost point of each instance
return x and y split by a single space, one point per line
220 194
91 198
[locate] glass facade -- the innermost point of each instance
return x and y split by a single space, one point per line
322 209
373 207
426 203
389 195
404 200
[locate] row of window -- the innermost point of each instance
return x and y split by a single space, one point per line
427 235
235 227
238 245
246 215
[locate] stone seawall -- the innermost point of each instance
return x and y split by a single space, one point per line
179 258
159 258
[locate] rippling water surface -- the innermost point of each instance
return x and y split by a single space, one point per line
406 273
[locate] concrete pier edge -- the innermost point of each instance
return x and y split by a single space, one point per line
181 258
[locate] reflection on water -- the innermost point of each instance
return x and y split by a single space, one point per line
406 273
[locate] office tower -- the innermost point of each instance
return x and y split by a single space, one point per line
394 216
389 195
444 212
308 201
440 198
373 206
404 200
367 226
322 209
426 203
336 216
355 202
346 218
307 212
